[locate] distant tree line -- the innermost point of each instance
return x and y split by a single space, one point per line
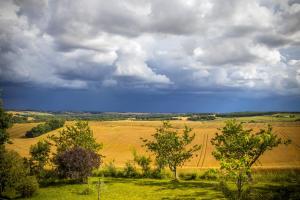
24 117
202 117
156 117
244 114
44 128
99 116
19 119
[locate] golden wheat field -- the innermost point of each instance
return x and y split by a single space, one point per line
119 138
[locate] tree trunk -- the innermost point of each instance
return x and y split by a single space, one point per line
175 173
250 176
239 185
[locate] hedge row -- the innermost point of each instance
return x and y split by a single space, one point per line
44 128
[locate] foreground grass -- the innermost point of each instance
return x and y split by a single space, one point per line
148 189
120 188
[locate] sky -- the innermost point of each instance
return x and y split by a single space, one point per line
150 55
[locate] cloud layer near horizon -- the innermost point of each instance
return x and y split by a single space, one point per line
174 46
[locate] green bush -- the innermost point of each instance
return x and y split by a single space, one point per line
9 192
97 172
14 174
44 128
110 170
130 170
144 162
55 123
156 173
160 174
210 174
48 177
28 186
188 176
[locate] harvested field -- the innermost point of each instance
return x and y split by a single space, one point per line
121 137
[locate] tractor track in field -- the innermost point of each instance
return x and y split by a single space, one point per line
204 155
259 163
16 131
201 152
285 137
116 137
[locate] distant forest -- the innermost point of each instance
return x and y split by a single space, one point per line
40 116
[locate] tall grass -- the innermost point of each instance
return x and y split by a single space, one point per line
277 175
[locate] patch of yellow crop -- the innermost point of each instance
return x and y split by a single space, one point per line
19 130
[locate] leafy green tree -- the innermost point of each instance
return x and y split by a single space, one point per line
13 171
238 149
171 148
55 123
40 153
78 135
14 175
5 123
28 186
77 151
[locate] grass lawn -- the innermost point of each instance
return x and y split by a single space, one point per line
121 188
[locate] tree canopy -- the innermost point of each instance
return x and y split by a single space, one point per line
40 153
238 149
5 123
77 163
78 135
170 147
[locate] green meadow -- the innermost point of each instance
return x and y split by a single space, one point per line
266 185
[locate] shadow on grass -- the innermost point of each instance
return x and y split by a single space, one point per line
161 185
188 190
193 196
182 185
59 182
284 191
164 184
265 191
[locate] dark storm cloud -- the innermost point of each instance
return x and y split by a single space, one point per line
155 46
273 41
290 23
